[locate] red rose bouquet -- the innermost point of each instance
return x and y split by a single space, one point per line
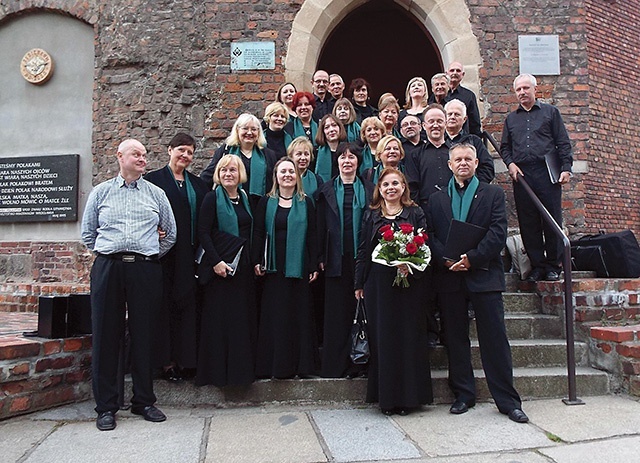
402 244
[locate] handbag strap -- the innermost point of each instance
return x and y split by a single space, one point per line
360 310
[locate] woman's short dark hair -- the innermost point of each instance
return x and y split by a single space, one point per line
182 139
357 84
352 147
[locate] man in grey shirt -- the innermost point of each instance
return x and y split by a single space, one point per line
121 225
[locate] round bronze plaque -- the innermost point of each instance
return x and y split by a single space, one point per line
36 66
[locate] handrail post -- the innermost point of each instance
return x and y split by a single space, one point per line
569 309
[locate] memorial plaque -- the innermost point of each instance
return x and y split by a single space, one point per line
39 188
246 56
539 55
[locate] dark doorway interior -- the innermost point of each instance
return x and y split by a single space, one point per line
384 44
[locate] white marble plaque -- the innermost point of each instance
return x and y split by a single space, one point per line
247 56
539 55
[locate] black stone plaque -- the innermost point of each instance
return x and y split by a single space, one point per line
39 188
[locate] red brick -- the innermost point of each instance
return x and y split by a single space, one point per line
18 348
604 347
52 347
20 369
20 404
630 367
72 344
615 333
629 349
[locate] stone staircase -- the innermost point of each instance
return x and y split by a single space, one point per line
539 360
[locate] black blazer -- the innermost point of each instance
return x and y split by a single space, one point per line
372 221
181 256
329 231
488 211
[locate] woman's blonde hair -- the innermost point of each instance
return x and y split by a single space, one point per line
407 98
382 144
298 142
243 119
275 188
224 161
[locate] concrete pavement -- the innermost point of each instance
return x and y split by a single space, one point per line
606 428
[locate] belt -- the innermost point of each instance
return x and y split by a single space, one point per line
130 257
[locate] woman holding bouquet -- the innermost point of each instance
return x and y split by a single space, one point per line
399 372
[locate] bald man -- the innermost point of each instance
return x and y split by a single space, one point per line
455 71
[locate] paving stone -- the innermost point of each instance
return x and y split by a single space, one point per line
618 450
20 435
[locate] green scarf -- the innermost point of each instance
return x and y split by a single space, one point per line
367 159
359 205
287 139
309 183
298 130
460 203
353 131
257 172
226 213
324 162
296 236
378 169
191 199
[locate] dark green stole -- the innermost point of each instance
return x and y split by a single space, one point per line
258 170
461 202
359 204
353 131
298 130
367 159
378 169
191 199
296 236
309 183
226 213
324 163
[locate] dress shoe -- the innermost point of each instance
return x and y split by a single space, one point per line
459 407
518 416
535 275
106 421
150 413
403 411
552 275
172 375
387 411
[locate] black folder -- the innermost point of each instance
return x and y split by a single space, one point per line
462 237
552 160
229 248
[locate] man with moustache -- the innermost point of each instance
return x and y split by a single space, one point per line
455 71
324 100
456 113
121 226
475 277
530 133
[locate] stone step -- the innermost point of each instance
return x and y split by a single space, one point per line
526 353
522 303
514 283
528 326
531 383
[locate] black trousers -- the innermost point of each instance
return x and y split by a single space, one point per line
119 287
494 347
542 245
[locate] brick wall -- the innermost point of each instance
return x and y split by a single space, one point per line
36 374
614 81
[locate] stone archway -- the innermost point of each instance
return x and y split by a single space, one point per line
448 22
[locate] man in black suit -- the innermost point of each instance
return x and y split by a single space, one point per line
475 276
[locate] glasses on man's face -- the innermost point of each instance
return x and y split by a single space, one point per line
321 81
404 125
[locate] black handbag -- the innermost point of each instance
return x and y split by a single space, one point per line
359 337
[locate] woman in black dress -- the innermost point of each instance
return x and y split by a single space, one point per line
399 372
229 315
286 255
330 133
341 203
178 317
275 119
300 151
360 92
247 141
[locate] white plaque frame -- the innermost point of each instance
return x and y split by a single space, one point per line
539 54
246 56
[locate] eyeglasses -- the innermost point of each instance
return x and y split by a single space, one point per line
404 125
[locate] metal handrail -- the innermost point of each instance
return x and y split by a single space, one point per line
569 308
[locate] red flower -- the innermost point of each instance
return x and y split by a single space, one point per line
418 240
411 249
388 235
406 228
385 228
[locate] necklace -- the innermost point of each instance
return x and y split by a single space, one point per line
235 200
284 197
396 212
180 183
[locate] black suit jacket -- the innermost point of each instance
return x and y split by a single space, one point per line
329 231
180 259
488 211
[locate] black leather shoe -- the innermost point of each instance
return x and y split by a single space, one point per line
535 275
518 416
106 421
459 407
150 413
387 411
552 275
403 411
172 375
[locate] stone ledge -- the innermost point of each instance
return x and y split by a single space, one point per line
616 333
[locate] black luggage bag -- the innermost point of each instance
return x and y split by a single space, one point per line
610 255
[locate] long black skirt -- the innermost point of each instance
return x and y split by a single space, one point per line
399 370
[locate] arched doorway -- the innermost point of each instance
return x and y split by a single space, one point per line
383 43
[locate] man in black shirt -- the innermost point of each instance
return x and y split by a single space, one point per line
456 112
439 88
410 130
456 74
324 100
336 86
530 133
